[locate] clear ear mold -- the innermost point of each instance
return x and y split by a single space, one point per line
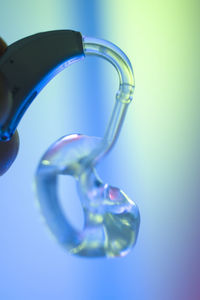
111 218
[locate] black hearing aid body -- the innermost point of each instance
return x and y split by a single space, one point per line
29 64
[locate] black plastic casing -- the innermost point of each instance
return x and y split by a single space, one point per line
29 64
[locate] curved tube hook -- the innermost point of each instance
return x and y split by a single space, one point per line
111 218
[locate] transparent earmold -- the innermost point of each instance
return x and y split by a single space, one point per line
111 219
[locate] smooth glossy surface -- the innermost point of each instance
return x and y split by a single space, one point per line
111 219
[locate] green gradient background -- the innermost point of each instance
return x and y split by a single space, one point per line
162 40
156 160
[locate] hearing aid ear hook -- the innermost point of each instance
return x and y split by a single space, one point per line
114 55
111 219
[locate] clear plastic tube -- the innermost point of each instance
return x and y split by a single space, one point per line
124 95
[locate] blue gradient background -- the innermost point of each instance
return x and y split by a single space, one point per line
156 160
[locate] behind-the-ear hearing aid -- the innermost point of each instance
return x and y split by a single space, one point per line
111 218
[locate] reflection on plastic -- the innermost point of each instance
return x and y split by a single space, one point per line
111 218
